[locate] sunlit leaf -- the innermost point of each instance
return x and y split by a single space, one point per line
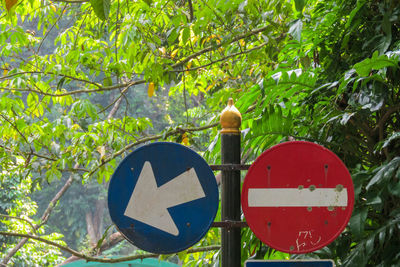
150 89
376 62
385 172
394 136
295 29
185 139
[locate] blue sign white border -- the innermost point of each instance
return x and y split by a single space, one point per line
202 168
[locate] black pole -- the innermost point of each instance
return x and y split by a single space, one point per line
230 183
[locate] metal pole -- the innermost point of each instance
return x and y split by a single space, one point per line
230 201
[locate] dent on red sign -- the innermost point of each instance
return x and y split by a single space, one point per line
297 197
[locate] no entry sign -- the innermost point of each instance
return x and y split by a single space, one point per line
297 197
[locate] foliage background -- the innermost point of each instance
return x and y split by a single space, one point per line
85 82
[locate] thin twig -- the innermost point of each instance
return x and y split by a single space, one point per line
223 59
51 73
43 219
150 138
51 28
21 219
210 48
191 17
101 89
95 259
184 98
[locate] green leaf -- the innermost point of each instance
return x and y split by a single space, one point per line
182 255
353 13
172 34
385 172
185 34
101 240
356 257
376 200
107 81
382 236
386 25
394 189
299 4
295 29
60 83
384 43
101 8
369 245
52 174
394 136
364 67
357 222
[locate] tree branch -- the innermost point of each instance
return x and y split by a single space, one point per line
95 259
51 73
118 86
101 89
210 48
111 241
191 16
72 1
43 219
151 138
21 219
51 28
16 128
55 199
28 154
223 59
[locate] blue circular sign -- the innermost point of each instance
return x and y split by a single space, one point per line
163 197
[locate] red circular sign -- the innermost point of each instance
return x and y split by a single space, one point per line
297 197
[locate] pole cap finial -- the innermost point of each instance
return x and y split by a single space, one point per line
230 119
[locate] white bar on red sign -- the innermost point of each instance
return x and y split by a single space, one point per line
294 197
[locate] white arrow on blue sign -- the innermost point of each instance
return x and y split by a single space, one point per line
289 263
163 197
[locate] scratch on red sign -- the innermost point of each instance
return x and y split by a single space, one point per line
305 238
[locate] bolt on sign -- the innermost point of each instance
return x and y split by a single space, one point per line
297 197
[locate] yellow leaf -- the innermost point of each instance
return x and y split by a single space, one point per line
53 7
251 71
211 37
188 66
173 54
185 139
10 4
75 127
5 72
194 39
150 90
242 42
225 79
209 87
